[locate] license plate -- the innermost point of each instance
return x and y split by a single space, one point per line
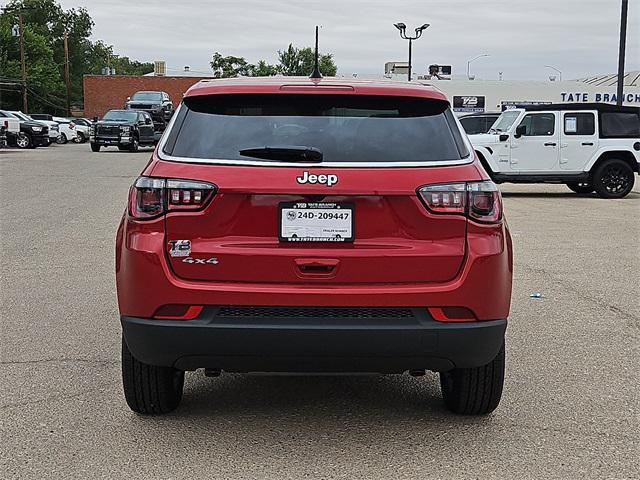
316 222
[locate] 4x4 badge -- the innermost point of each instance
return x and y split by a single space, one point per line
201 261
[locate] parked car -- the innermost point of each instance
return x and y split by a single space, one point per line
475 123
68 131
587 146
3 136
53 125
31 134
72 130
10 122
156 104
125 129
82 121
297 225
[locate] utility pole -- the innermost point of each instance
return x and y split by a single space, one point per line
25 103
67 79
621 52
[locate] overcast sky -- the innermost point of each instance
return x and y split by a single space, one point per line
579 37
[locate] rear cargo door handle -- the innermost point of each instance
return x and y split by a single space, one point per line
587 144
317 267
550 144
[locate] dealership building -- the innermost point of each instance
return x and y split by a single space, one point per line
497 95
106 92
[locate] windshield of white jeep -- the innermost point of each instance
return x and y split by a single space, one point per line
147 96
341 128
121 116
504 121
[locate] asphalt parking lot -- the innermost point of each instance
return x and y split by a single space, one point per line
570 408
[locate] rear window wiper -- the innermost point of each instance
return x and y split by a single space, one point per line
284 153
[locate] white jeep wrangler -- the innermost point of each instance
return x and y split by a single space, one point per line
588 147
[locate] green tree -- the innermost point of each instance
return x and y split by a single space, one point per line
230 66
45 24
263 69
44 81
300 62
292 61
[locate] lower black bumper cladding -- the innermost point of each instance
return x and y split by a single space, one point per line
313 339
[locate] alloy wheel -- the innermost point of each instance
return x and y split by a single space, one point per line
23 141
615 180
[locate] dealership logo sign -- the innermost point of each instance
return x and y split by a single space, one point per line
598 97
468 103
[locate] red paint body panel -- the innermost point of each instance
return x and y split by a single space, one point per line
403 255
304 85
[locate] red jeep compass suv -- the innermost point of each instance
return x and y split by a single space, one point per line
304 225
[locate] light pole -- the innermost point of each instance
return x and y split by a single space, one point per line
557 71
403 34
624 13
473 60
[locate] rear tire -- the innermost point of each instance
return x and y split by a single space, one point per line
613 179
474 391
580 187
148 389
95 147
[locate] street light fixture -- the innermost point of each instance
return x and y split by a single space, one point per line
403 34
472 60
556 70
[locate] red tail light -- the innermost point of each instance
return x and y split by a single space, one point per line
152 197
480 201
72 125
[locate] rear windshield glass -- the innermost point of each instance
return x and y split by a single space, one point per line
345 128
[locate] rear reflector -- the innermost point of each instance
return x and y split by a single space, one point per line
178 312
452 314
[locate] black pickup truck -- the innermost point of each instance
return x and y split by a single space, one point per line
125 129
156 104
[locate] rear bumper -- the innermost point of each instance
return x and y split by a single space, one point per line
291 344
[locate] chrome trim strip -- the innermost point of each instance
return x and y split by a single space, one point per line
266 163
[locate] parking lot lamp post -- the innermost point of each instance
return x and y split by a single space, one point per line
472 60
556 70
403 34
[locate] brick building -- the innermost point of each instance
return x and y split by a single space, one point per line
105 92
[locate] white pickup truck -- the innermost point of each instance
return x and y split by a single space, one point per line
9 122
588 147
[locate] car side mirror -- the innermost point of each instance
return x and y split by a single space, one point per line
128 99
520 131
503 137
147 121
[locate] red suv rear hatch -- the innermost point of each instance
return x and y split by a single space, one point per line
275 158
